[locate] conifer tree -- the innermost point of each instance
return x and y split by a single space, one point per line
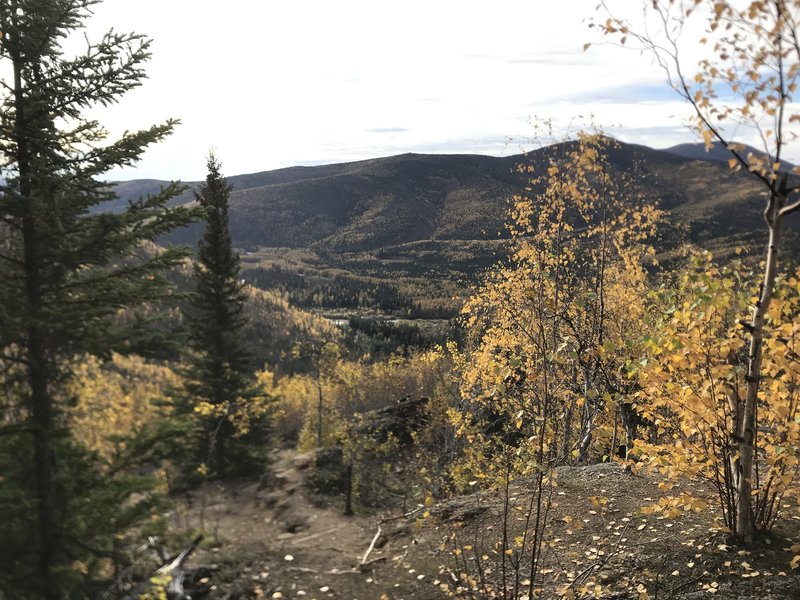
67 272
219 387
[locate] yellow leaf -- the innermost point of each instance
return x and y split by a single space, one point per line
79 567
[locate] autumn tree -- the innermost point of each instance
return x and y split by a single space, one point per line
66 269
323 358
544 374
694 371
113 399
219 394
571 297
745 83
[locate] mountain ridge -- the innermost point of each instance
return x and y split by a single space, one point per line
372 204
717 152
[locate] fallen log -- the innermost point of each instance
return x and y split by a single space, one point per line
176 573
400 420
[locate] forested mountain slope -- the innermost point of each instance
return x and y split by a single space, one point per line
376 204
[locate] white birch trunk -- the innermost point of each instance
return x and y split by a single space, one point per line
745 435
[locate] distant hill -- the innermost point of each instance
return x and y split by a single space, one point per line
718 152
430 223
363 205
370 205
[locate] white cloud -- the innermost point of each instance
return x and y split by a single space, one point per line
271 84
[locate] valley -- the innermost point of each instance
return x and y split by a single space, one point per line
410 235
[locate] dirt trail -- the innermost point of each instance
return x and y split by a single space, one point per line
276 543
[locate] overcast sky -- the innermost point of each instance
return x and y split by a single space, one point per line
268 84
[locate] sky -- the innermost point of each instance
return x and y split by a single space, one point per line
266 84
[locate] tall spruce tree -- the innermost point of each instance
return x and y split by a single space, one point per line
229 410
67 273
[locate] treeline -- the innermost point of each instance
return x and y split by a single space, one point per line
380 338
341 291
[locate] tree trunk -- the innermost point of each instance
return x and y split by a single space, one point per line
319 416
348 491
629 421
44 463
587 425
219 444
38 375
612 451
586 439
566 446
745 435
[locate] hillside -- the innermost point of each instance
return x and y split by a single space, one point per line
273 325
375 204
423 226
718 152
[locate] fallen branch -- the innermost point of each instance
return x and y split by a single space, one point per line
153 544
371 546
366 566
301 570
403 516
316 535
686 584
172 580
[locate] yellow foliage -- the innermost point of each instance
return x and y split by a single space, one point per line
114 397
551 332
346 388
693 385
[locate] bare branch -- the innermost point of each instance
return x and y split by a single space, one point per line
789 208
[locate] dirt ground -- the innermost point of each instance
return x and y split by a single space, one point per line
275 540
600 544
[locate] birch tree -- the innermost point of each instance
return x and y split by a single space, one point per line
745 82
